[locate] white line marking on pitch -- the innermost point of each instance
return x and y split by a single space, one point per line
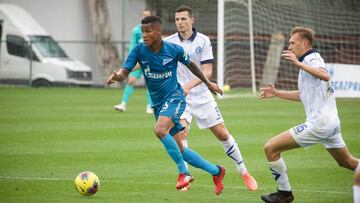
157 183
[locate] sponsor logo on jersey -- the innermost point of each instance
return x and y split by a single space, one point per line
166 61
152 75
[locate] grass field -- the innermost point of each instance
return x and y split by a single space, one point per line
48 136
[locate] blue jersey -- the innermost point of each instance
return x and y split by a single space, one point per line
159 69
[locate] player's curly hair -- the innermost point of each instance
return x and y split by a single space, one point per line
151 20
304 32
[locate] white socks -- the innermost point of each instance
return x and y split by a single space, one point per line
278 169
356 192
232 150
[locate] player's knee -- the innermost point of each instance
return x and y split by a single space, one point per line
268 148
159 131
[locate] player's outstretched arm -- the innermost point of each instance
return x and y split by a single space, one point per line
198 73
269 91
119 76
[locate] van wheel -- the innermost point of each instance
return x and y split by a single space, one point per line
41 83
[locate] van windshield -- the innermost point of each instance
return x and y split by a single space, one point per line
48 47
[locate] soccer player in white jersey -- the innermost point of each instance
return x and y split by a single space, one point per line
322 123
200 103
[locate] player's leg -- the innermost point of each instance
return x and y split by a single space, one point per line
163 130
185 120
356 187
338 150
336 146
344 158
232 150
128 90
194 159
273 149
149 109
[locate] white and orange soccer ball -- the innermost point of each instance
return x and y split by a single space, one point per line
87 183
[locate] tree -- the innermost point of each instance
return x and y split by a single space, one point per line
106 52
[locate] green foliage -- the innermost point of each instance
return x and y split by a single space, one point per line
48 136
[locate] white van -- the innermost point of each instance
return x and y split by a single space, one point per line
49 65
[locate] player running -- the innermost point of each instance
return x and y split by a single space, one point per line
322 123
200 102
158 60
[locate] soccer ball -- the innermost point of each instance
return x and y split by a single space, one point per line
226 88
87 183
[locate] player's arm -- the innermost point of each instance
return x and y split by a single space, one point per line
118 76
198 73
207 70
270 91
129 64
318 72
137 67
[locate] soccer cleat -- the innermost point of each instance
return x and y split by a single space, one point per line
218 180
120 107
186 188
278 197
149 110
184 180
250 181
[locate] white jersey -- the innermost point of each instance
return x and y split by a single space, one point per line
317 95
199 48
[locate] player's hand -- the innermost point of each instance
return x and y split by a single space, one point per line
214 88
268 91
112 78
289 55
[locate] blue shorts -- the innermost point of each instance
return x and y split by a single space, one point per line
172 108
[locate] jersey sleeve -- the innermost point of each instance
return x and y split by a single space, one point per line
316 61
132 58
207 54
182 56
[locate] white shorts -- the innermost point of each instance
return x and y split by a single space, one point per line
206 115
305 135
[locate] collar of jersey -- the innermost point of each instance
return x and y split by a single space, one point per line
192 36
308 53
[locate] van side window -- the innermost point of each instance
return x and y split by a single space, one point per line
17 46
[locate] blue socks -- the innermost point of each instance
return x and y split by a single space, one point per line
148 98
194 159
174 152
129 89
190 156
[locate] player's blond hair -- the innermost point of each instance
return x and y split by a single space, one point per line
304 32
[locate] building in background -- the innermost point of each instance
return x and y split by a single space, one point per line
69 24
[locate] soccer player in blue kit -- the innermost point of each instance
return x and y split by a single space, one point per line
158 60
